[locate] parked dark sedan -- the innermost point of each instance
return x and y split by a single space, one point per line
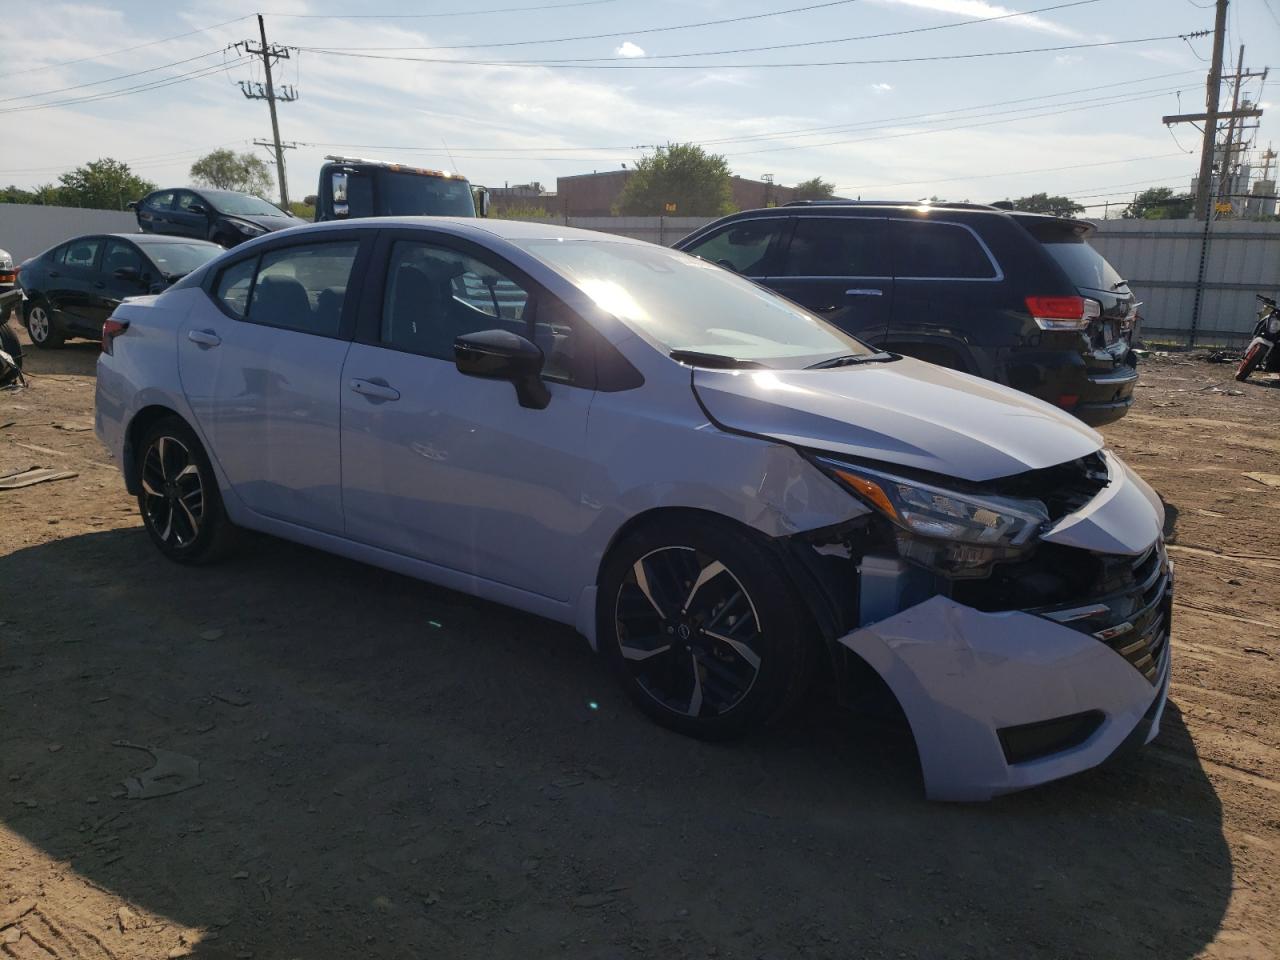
1018 298
221 216
73 288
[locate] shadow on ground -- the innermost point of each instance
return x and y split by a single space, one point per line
396 770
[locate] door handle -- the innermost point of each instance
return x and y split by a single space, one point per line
99 285
54 273
205 338
374 391
864 292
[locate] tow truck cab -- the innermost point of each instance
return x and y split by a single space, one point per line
351 187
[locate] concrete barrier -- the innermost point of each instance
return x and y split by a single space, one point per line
27 230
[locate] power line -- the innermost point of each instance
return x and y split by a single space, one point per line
431 16
706 23
141 46
122 76
1009 173
571 64
128 91
150 159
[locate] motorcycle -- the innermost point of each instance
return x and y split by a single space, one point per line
1262 350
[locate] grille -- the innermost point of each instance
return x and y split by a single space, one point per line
1132 612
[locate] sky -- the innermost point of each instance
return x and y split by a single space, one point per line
431 84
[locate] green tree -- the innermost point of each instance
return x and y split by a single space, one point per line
103 184
683 174
1159 203
814 188
1044 203
228 170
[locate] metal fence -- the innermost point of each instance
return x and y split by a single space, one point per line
27 229
1196 286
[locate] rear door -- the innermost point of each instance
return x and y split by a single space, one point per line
948 289
261 361
74 290
154 210
839 267
186 223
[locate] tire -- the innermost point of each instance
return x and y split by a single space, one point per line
713 684
43 327
179 499
1249 363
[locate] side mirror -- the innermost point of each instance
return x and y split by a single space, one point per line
482 201
132 204
727 265
197 208
126 273
502 355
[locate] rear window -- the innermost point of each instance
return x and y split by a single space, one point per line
1086 267
940 251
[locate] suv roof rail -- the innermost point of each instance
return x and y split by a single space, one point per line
951 205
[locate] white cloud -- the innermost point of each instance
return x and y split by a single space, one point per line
629 49
882 87
1067 59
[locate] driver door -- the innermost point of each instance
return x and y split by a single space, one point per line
448 468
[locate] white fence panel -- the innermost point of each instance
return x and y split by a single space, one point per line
27 229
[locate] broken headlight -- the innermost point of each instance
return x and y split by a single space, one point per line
952 532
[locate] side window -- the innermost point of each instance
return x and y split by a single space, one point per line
121 255
837 247
82 253
940 251
744 247
185 199
234 285
303 288
434 295
60 255
566 346
160 201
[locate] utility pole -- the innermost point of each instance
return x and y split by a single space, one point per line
269 93
1213 94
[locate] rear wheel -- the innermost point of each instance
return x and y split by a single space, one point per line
45 331
1250 361
702 628
179 499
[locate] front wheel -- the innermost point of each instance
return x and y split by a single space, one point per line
703 629
45 332
179 499
1250 361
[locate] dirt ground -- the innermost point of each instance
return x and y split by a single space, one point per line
387 769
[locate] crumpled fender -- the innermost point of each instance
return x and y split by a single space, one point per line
1126 517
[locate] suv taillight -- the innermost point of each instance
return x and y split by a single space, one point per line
1063 313
110 330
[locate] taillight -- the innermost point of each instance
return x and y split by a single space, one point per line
1063 313
110 330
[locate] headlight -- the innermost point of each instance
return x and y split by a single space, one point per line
248 229
956 533
1273 326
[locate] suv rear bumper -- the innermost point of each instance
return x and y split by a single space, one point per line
1062 379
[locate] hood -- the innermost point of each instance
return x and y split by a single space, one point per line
904 412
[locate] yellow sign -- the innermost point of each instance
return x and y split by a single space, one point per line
1222 207
669 207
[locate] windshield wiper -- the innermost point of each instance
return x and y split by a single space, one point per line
714 361
851 359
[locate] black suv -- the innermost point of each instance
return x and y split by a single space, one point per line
1018 298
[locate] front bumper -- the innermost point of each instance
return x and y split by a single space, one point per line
962 676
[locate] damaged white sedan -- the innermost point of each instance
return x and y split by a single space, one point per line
724 493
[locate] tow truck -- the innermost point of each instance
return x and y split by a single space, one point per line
355 187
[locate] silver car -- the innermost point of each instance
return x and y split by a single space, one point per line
723 493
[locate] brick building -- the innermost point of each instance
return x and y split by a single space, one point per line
594 194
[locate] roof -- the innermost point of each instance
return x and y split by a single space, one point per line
463 227
151 238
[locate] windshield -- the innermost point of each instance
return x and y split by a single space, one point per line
179 259
243 205
389 194
1085 266
691 305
